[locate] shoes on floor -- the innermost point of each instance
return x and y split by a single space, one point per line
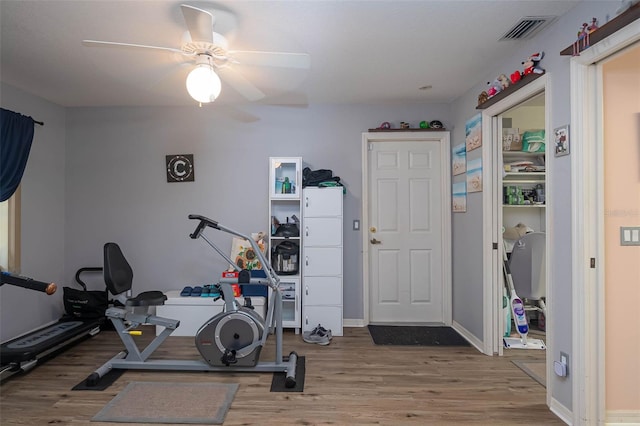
323 330
318 335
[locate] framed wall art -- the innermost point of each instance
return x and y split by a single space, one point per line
473 132
474 175
180 168
561 140
459 197
459 159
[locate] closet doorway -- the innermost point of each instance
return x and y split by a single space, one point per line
524 110
523 205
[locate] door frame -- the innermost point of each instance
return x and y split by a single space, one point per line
492 229
587 180
443 138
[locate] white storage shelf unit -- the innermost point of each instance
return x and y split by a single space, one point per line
322 266
284 203
194 312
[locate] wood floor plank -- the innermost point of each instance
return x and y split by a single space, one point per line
349 382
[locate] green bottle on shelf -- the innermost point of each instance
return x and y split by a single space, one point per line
286 186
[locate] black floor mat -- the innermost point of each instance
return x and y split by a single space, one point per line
416 335
278 381
104 382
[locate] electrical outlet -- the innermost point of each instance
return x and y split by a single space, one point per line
564 359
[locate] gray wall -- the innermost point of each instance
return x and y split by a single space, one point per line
97 174
117 188
467 227
43 210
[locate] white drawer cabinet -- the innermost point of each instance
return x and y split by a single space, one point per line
322 256
323 290
329 316
322 261
322 231
322 202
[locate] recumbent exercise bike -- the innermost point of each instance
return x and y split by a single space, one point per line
229 341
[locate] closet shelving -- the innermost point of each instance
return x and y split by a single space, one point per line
527 180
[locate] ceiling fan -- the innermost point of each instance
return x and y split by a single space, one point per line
214 60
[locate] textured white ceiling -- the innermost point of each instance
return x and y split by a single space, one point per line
361 51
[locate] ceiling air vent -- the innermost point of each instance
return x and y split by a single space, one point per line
527 27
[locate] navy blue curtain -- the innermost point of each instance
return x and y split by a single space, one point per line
16 131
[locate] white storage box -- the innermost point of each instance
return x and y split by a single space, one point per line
193 312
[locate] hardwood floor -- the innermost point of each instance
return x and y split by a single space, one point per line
350 381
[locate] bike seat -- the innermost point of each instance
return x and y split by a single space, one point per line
147 298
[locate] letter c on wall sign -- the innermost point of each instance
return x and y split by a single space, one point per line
180 168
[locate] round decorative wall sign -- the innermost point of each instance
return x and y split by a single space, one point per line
180 168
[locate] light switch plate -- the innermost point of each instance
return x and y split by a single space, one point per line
630 235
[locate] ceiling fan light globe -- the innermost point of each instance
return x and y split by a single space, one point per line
203 84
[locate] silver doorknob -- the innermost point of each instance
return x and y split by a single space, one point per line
374 241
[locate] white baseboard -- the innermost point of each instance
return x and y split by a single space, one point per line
353 323
622 417
477 343
561 411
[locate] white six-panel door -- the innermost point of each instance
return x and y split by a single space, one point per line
405 233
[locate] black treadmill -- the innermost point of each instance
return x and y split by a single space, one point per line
25 352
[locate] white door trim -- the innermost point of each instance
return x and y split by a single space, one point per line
588 321
492 232
492 298
445 158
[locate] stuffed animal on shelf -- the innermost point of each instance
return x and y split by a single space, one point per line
483 97
583 36
504 81
583 32
515 77
494 88
531 64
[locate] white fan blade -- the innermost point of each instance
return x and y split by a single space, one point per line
271 59
199 22
237 114
137 46
289 99
241 84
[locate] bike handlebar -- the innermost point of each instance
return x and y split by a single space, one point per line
204 222
272 277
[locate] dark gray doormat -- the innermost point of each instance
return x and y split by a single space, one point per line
416 335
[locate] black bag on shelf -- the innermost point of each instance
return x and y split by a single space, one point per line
287 230
315 177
